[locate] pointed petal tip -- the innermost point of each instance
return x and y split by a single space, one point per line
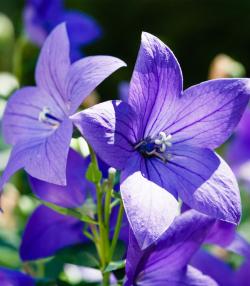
146 35
120 63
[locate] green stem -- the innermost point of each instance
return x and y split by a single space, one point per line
117 230
103 243
105 281
107 207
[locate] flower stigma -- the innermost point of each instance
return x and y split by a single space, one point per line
155 147
45 116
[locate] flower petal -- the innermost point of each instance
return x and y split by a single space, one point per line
222 233
42 158
10 277
242 275
203 181
53 65
107 128
150 208
36 32
81 28
21 116
210 265
86 74
47 232
171 253
189 276
76 190
156 85
208 112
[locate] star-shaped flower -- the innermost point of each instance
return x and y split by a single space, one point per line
177 258
163 138
36 120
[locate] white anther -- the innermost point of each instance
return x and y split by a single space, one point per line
163 141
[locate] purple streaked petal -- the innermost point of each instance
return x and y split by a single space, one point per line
81 28
222 233
21 116
208 186
106 128
53 65
42 158
172 251
77 188
208 112
188 276
47 232
210 265
156 85
9 277
86 74
150 208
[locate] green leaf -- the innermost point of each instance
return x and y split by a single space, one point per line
93 174
70 212
114 265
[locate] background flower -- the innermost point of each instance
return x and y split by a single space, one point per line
42 16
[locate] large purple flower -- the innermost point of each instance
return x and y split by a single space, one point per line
167 261
41 17
176 258
163 138
36 120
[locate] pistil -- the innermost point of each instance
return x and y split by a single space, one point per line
155 147
46 116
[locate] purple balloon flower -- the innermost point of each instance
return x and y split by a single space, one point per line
36 120
176 257
10 277
163 139
167 261
42 16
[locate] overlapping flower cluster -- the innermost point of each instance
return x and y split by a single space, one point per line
161 139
